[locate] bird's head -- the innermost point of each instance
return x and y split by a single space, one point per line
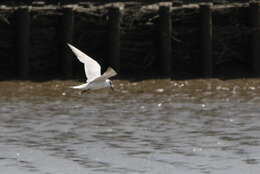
109 84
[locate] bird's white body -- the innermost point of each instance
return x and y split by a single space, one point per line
93 72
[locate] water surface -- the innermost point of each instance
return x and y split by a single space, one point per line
153 126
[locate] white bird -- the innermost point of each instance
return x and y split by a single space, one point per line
93 72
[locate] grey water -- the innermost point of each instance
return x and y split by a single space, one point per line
154 127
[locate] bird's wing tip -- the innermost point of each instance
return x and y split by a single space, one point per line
69 44
111 70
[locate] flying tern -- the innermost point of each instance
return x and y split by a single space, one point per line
93 72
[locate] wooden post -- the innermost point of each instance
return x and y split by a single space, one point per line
23 41
165 44
254 20
206 39
66 31
114 37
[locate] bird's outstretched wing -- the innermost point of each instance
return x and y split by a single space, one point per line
110 72
92 68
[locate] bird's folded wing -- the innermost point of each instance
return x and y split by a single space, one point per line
92 68
110 72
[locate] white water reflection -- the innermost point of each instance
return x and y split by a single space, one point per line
135 133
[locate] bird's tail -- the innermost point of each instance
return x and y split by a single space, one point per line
83 86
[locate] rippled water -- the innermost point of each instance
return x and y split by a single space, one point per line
154 126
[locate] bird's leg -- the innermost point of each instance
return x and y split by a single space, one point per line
111 87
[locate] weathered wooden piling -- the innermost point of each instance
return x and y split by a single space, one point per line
254 19
66 36
23 41
206 39
165 44
114 37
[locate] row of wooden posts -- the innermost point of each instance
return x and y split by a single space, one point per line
165 33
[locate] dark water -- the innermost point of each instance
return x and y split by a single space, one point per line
155 127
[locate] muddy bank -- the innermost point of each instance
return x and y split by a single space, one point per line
245 89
